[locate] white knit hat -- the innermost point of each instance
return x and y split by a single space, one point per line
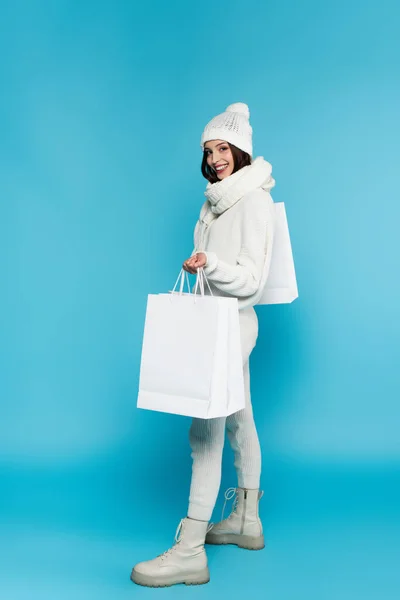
231 126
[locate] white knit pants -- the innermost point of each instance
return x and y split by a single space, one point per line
207 437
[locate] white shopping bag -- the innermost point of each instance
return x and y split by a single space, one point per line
191 356
281 286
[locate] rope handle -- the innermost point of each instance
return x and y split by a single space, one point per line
183 276
201 279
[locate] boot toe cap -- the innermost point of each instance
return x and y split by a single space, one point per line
144 568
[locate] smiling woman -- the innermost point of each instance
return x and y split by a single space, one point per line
221 159
233 254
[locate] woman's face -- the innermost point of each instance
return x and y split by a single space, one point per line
219 158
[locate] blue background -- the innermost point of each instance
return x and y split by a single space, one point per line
102 106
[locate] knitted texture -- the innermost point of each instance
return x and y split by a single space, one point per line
231 126
207 442
207 438
235 230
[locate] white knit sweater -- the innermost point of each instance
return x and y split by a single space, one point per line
235 230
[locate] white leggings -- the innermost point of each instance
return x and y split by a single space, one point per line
207 437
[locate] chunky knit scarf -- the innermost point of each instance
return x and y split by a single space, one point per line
223 194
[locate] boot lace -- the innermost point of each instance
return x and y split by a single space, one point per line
229 494
178 537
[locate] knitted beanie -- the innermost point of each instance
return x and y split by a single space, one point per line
231 126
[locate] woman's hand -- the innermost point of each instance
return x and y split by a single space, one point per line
195 262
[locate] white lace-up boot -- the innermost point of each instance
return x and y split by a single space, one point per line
185 562
243 526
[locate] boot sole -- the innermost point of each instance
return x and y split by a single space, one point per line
156 582
248 542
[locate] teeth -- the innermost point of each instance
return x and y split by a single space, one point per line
221 168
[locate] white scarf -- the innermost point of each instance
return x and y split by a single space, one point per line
223 194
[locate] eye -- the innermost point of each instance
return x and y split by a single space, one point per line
224 148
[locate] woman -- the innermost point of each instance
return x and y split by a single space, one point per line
233 240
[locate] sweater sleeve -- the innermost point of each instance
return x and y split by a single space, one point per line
243 279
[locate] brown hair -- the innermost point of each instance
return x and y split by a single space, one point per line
240 159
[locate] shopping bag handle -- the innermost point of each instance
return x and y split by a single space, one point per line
183 276
200 279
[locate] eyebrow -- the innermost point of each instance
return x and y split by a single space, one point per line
220 144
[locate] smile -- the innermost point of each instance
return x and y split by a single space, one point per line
221 168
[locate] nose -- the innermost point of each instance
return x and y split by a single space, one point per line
215 157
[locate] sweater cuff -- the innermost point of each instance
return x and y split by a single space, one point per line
212 262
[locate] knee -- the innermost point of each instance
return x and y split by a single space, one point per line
207 434
241 421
